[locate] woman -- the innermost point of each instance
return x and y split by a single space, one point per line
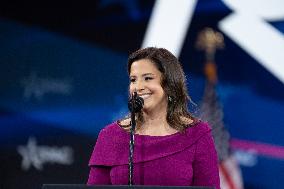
171 146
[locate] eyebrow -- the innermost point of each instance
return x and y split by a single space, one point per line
145 74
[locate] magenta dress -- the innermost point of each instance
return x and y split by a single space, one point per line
180 159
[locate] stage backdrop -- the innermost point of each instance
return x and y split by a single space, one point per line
63 78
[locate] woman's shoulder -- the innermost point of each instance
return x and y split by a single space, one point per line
110 126
110 144
194 122
116 127
111 129
198 127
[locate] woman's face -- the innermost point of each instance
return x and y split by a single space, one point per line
145 79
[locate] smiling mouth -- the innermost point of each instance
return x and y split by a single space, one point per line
145 96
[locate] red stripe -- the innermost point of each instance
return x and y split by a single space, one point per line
264 149
227 176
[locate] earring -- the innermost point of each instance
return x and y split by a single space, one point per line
170 99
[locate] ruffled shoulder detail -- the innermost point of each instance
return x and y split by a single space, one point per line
112 146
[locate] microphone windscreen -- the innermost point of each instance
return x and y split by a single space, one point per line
136 103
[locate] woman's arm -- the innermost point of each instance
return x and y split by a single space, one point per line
205 165
99 175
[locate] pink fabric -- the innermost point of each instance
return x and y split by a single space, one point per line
181 159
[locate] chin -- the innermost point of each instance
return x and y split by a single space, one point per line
145 109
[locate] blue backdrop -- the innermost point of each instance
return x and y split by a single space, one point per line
63 78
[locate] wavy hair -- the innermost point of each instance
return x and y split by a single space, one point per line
173 82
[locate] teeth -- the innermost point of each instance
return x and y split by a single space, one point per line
144 96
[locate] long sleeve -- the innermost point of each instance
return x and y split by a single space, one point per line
205 165
192 154
99 175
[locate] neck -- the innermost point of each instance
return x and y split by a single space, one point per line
155 124
154 119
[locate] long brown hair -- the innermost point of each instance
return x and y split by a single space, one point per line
173 82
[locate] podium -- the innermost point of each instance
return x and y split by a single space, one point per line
83 186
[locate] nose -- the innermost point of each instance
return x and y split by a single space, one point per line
139 86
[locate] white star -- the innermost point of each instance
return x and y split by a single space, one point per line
30 155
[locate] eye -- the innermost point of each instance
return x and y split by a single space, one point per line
148 78
132 80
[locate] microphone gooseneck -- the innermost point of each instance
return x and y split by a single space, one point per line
135 104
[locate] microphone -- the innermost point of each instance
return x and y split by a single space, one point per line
135 103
